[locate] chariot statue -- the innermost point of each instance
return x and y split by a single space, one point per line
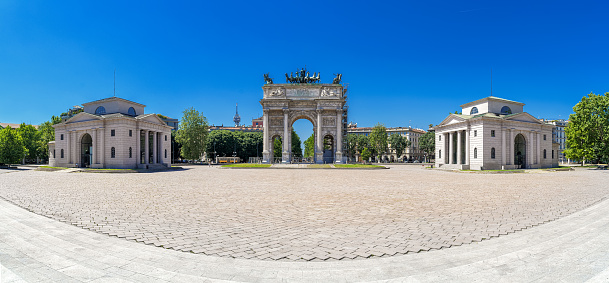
267 79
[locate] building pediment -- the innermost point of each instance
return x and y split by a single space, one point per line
523 117
82 117
452 119
151 118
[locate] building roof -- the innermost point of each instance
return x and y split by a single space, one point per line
14 126
493 98
111 99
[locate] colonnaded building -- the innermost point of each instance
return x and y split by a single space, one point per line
494 133
111 133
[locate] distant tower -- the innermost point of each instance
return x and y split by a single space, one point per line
237 119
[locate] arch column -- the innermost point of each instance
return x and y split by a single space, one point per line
319 152
285 156
265 136
339 137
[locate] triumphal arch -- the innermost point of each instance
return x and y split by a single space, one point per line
304 97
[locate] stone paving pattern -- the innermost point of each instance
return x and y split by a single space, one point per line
304 215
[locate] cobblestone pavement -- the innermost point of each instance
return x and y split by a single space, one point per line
304 215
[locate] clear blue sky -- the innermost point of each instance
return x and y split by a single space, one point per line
406 62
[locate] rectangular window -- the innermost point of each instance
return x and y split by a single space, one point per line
492 133
544 137
130 133
112 133
475 133
61 136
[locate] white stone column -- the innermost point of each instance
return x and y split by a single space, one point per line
446 148
265 137
94 145
102 147
69 148
146 147
339 137
467 146
459 138
503 149
319 147
539 157
530 150
155 143
510 153
138 141
286 139
450 148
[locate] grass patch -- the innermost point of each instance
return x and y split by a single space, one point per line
247 165
51 167
319 166
358 166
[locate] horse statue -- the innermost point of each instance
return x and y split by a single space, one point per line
267 79
337 79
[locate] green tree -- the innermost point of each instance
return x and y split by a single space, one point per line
309 146
427 143
31 141
192 134
277 147
588 129
378 140
12 149
366 153
398 143
296 145
351 145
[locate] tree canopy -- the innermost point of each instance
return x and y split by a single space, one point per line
192 134
588 129
309 146
427 143
12 149
398 143
31 140
244 144
378 140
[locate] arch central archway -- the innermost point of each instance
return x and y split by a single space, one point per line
321 104
520 151
86 150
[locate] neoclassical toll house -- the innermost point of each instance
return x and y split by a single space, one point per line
494 133
111 133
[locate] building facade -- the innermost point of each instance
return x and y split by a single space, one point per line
558 135
410 154
111 133
494 133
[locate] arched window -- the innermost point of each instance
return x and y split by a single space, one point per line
544 154
165 137
100 110
165 153
112 152
506 110
475 152
493 153
62 153
130 153
473 111
131 111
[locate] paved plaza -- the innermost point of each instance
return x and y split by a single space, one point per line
304 215
34 248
